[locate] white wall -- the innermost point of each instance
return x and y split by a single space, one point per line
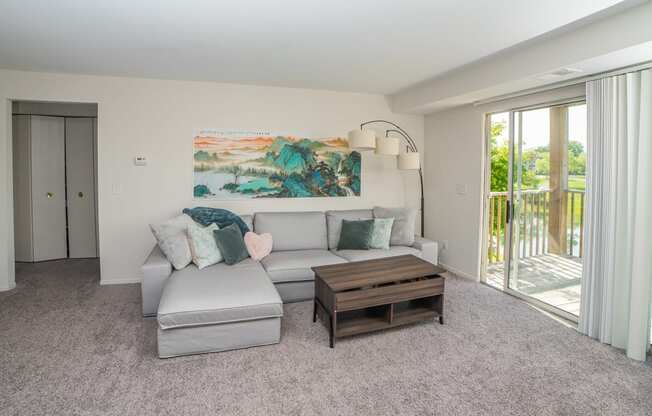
455 155
156 118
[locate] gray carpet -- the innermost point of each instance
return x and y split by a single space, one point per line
71 347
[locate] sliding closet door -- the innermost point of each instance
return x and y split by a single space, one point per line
80 173
48 187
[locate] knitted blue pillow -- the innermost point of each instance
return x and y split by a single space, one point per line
222 217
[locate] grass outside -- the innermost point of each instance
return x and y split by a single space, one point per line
576 183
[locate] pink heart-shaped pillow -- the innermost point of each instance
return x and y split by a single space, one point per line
258 246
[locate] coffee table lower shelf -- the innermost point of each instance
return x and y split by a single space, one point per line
376 318
363 324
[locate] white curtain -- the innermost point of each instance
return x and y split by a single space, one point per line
617 277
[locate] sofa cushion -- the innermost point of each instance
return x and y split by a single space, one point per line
403 226
334 222
293 230
287 266
218 294
359 255
296 291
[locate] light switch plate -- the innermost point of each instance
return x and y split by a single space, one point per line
140 161
460 189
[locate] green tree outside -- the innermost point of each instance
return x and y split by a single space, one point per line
535 165
500 163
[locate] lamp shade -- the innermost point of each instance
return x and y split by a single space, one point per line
409 161
387 146
362 139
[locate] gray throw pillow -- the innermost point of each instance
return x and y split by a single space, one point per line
382 233
355 235
231 244
404 224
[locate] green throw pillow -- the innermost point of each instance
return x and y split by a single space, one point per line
355 235
382 233
231 244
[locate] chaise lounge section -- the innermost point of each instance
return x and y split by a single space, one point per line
218 308
226 307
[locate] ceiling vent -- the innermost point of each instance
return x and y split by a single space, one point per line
558 73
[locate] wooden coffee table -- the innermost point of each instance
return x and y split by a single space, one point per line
371 295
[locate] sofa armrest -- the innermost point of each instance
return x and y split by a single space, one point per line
429 249
156 270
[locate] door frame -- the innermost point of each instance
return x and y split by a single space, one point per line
64 113
507 269
487 196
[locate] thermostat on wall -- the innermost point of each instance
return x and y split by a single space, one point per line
140 161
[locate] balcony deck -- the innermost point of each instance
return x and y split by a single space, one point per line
550 278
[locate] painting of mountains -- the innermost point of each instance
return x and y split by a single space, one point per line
237 164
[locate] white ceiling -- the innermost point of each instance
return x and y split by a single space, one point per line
378 46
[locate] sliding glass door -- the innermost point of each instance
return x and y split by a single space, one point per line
535 204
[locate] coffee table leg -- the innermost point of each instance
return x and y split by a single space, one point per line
441 313
333 322
314 311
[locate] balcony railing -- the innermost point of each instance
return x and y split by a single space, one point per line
534 224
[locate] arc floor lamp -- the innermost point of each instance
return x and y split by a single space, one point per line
366 139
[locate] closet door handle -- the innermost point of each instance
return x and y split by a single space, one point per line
49 195
80 194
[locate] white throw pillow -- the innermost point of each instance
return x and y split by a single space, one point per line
172 238
203 246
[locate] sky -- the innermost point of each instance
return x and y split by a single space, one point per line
536 126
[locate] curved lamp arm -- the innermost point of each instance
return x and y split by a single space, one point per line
398 128
412 146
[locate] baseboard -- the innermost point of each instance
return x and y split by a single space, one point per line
458 272
120 281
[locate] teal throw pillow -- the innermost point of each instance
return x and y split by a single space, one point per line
231 244
382 233
355 235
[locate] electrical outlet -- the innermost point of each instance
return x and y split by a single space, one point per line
444 245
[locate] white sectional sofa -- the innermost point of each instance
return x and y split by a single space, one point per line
225 307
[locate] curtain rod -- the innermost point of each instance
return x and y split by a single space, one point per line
569 83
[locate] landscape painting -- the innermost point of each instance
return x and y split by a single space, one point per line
237 164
